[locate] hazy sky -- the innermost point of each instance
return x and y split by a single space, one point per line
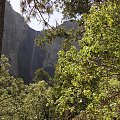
34 23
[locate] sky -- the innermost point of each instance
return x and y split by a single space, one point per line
34 23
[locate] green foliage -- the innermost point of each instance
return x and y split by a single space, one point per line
11 93
36 102
24 102
69 8
89 80
86 84
40 74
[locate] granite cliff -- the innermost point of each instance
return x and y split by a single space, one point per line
18 45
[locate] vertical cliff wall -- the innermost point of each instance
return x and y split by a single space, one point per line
18 45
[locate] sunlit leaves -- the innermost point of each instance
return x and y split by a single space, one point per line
94 70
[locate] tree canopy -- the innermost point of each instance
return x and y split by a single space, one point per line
90 77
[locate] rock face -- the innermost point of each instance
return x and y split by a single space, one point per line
18 45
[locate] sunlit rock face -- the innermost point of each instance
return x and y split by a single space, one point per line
18 45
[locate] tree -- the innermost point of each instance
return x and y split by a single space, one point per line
87 82
12 92
40 74
36 105
23 102
2 12
69 8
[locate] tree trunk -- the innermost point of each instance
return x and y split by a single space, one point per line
2 12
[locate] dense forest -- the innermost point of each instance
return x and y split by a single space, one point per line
86 81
